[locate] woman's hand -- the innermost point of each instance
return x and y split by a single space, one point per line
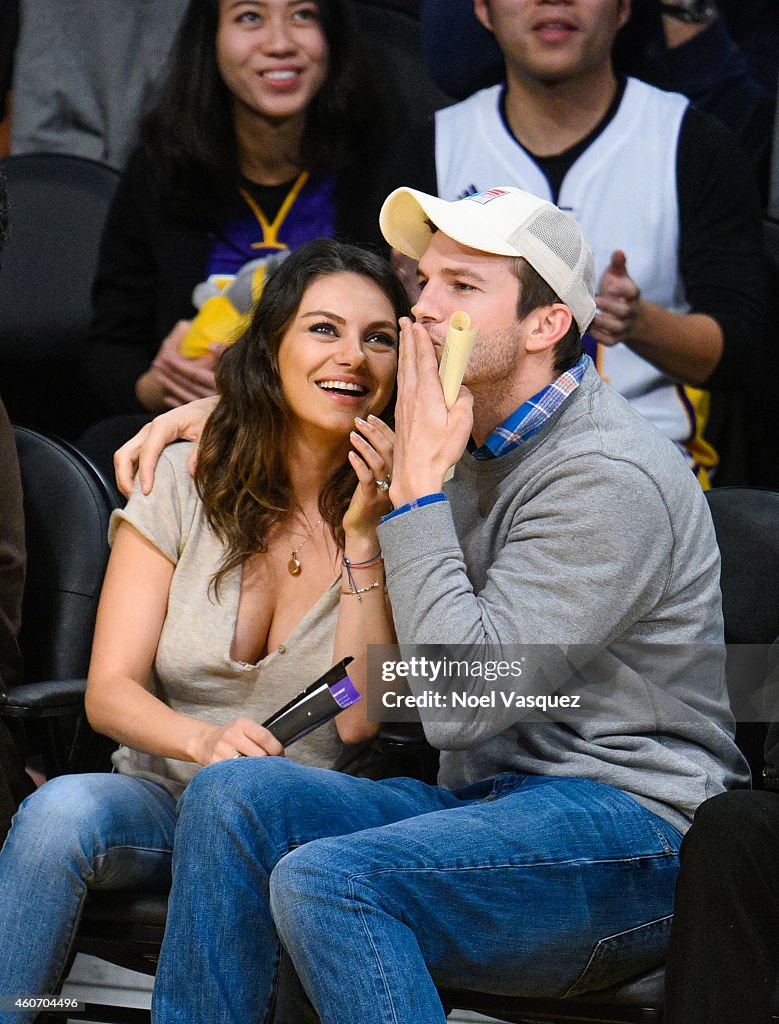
173 379
141 453
241 737
371 460
364 615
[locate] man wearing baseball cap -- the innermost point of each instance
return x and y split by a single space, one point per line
544 862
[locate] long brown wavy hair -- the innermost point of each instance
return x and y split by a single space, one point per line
242 472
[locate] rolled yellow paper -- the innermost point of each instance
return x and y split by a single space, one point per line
460 338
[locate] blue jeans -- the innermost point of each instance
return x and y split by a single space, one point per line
522 884
76 832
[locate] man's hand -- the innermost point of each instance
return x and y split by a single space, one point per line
619 304
429 438
686 346
174 380
678 32
141 453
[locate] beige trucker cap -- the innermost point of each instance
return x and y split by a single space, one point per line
503 221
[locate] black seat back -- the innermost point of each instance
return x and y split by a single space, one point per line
746 521
67 506
57 208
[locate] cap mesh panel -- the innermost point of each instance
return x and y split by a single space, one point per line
558 233
588 275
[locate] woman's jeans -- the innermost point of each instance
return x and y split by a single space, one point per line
98 831
522 884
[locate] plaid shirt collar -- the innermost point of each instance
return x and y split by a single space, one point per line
531 416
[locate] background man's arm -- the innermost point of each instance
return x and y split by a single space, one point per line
721 264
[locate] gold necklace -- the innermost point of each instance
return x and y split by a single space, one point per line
293 565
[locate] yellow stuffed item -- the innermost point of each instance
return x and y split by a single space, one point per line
225 305
218 321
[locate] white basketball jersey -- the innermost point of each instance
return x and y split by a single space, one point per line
623 192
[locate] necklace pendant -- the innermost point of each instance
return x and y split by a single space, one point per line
293 565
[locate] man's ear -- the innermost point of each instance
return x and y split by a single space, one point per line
481 9
546 326
624 12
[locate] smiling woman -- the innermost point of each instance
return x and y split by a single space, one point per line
272 56
226 594
350 360
268 133
321 353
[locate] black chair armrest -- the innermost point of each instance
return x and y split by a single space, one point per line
44 700
403 749
402 734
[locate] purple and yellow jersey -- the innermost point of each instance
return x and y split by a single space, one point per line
307 212
245 247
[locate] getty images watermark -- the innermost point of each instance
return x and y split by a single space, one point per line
466 671
578 685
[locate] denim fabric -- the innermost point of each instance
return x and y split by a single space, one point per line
76 832
522 884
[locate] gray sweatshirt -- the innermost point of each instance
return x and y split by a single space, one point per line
595 533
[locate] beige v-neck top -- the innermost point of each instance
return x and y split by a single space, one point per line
193 672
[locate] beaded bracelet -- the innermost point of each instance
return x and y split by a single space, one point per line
357 591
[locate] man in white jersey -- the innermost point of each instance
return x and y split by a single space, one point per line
666 203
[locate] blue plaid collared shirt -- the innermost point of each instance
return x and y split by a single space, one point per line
531 416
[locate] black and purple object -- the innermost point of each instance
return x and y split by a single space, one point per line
317 704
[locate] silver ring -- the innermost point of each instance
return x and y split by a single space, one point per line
383 485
